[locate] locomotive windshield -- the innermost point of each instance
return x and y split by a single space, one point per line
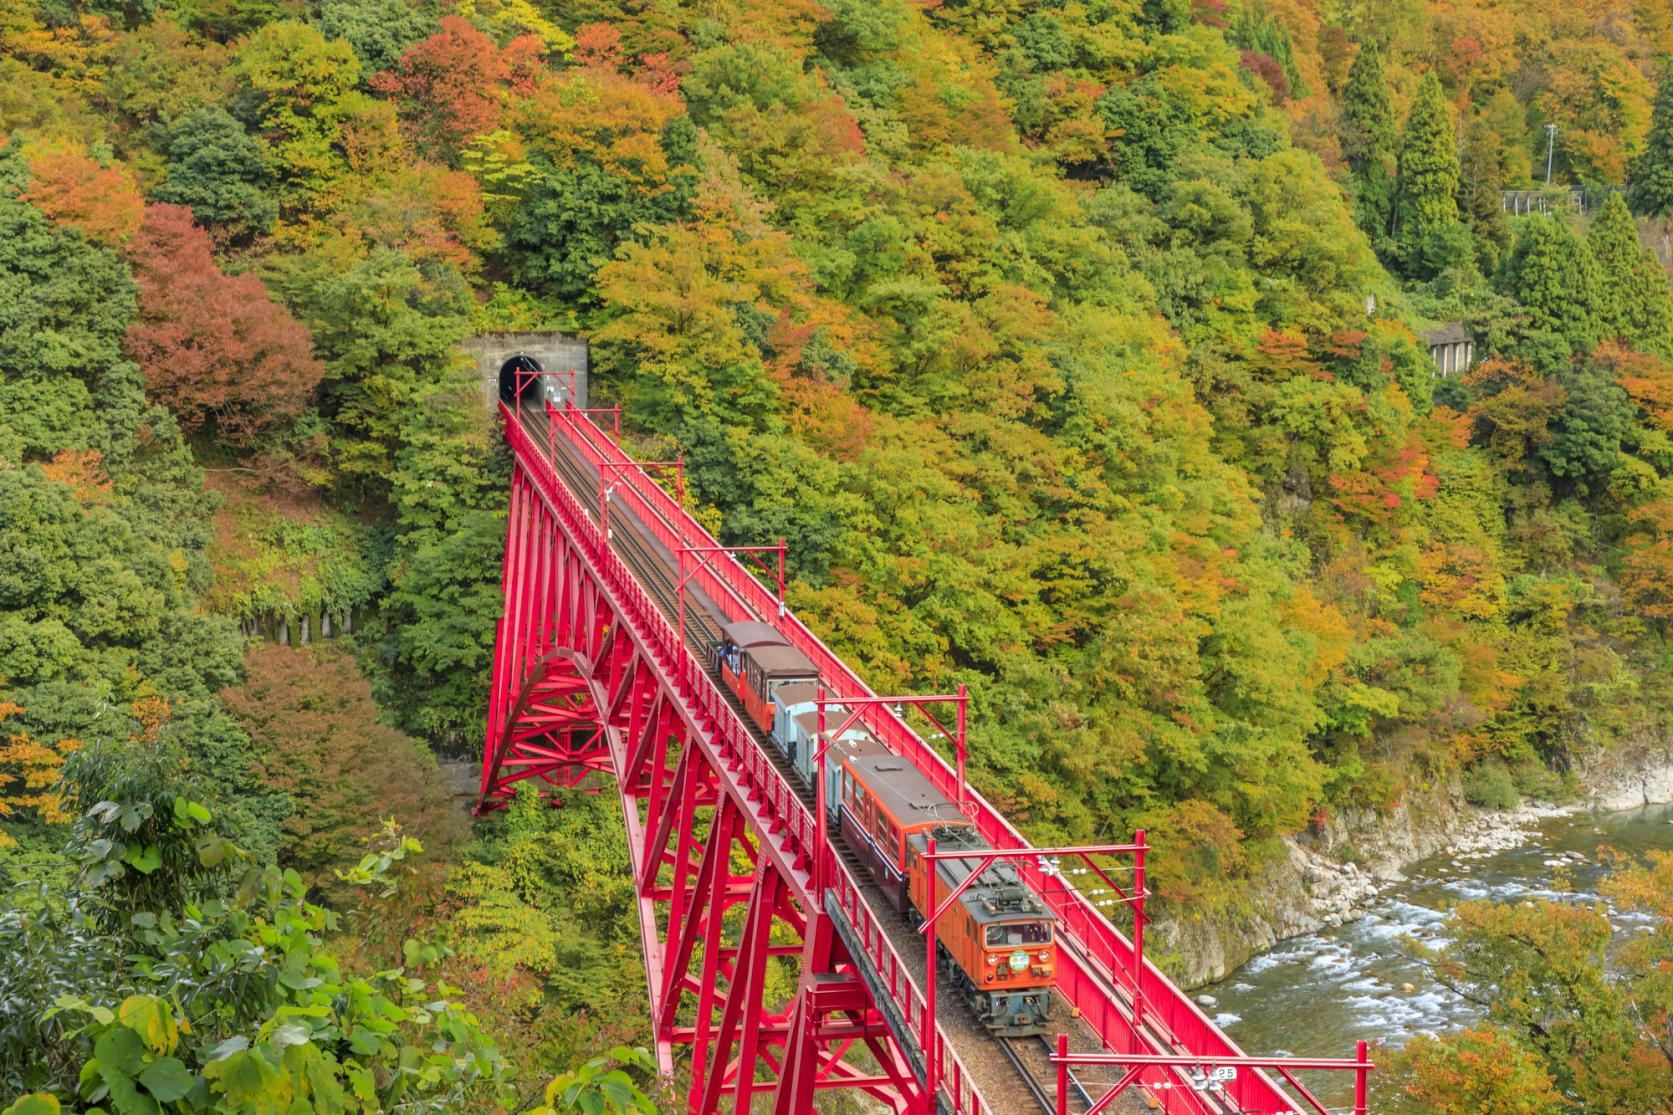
1014 933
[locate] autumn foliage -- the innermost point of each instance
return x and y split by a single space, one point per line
214 347
454 84
319 737
72 188
29 776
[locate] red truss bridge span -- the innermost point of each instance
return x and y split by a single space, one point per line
604 571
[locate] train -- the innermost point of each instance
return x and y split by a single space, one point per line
999 939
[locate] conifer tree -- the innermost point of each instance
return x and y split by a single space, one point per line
1368 140
1634 302
1427 204
1552 274
1480 192
1652 177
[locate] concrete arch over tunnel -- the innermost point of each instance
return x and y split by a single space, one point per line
562 360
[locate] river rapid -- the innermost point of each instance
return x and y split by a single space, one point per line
1318 994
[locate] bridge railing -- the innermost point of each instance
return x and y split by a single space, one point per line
754 768
1098 970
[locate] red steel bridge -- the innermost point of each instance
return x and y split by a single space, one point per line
592 680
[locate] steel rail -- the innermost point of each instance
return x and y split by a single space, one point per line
1098 977
726 739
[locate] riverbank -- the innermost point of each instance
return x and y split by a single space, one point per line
1317 994
1330 875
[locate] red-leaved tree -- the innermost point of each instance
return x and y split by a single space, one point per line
452 86
213 347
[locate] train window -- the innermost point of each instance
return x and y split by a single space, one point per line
1014 933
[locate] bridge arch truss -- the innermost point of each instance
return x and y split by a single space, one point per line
591 678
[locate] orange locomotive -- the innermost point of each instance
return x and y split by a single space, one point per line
999 937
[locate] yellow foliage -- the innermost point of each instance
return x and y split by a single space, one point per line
617 121
507 19
28 773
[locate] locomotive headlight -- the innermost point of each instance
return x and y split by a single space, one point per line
992 959
1042 956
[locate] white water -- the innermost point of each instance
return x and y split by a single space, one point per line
1319 994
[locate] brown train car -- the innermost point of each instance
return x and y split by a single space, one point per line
885 799
1001 939
766 670
734 640
755 660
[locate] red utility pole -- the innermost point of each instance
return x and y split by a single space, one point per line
990 856
853 706
615 413
928 1040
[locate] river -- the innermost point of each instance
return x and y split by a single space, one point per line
1317 995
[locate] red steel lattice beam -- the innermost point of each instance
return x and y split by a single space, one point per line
581 687
701 798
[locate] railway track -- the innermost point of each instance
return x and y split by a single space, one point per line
1031 1058
1032 1080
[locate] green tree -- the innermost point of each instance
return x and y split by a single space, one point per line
1481 197
220 171
1368 141
64 305
1652 176
387 328
1635 304
1597 417
300 88
1551 272
378 30
571 219
1426 205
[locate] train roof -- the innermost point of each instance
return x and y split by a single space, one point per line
781 661
804 693
999 895
904 791
750 633
809 723
857 742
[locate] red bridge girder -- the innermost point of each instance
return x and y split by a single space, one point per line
590 676
585 680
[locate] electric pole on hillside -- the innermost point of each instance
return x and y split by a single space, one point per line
1550 148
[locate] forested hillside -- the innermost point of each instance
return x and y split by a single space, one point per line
1075 346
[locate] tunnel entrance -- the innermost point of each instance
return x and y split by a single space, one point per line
519 367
